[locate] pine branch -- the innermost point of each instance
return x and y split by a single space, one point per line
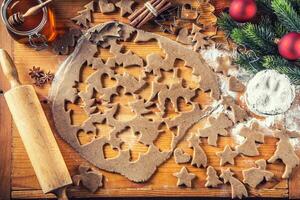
264 5
226 23
248 62
280 30
259 38
286 14
282 66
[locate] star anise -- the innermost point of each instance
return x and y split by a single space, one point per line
41 78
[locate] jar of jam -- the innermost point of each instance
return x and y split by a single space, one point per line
36 30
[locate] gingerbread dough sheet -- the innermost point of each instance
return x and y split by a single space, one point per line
66 91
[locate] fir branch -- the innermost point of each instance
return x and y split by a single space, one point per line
286 14
280 30
264 5
248 62
259 38
282 66
226 23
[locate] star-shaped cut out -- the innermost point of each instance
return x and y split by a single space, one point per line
184 177
227 155
125 6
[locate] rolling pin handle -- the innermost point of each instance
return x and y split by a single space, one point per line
9 69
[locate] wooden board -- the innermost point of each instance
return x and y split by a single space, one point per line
24 183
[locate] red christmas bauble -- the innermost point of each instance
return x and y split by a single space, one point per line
289 46
242 10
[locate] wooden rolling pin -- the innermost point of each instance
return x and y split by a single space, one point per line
35 132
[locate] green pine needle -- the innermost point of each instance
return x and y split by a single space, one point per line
226 23
286 14
258 38
277 17
282 66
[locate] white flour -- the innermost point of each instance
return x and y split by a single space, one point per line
269 93
291 118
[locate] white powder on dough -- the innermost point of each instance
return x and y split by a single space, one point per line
291 117
269 93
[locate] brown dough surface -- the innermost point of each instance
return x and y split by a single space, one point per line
111 35
195 29
125 6
239 115
285 151
212 179
199 156
255 175
85 16
184 36
106 7
90 179
238 190
224 64
252 135
227 155
201 41
236 85
217 127
181 157
184 177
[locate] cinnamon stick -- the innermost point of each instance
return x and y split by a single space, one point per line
143 14
139 11
162 6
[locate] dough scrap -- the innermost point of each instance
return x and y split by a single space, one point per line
185 121
227 155
201 41
199 156
106 7
63 44
184 37
173 93
212 179
184 177
224 64
285 151
236 85
85 16
87 54
180 156
239 115
238 189
195 29
252 135
125 6
90 179
217 127
255 175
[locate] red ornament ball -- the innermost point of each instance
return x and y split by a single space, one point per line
289 46
242 10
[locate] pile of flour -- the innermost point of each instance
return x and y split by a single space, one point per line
269 93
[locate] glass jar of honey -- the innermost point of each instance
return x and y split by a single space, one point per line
36 30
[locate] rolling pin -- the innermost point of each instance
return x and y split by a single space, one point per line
35 132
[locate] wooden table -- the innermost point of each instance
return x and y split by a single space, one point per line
17 178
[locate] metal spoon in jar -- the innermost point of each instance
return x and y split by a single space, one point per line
19 18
